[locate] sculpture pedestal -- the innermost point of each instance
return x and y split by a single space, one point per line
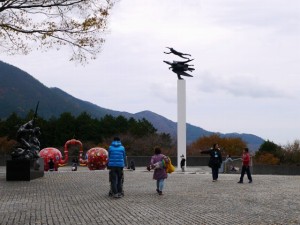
181 121
24 170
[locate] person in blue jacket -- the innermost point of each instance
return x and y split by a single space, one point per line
116 163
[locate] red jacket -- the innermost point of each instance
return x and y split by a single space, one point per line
246 159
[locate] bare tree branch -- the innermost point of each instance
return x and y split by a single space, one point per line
79 24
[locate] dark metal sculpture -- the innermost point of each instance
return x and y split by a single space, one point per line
27 136
180 67
172 50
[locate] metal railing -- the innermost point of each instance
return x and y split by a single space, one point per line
234 165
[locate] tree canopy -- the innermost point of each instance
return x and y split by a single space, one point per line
138 136
229 145
79 24
271 153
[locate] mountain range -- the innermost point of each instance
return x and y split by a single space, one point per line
20 92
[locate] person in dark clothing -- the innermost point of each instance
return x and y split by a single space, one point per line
116 163
182 163
74 164
132 165
246 166
51 165
215 160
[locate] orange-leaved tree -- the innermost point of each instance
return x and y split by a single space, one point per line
269 153
229 145
6 145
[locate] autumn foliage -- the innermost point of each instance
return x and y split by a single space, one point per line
229 145
6 145
266 158
292 153
273 154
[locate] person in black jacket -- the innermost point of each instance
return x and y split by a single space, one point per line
215 160
182 163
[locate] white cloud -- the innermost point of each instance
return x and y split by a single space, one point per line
241 86
246 59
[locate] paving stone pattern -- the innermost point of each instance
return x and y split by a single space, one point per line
81 197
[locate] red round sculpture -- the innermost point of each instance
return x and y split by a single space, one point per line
51 153
64 161
97 158
55 154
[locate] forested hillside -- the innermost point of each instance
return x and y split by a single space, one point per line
20 92
139 136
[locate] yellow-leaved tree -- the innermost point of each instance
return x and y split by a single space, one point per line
79 24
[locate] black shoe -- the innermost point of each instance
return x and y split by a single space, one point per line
116 196
240 182
250 181
121 195
160 192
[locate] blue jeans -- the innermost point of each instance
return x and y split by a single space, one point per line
160 184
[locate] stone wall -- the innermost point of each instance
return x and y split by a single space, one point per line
3 159
276 169
143 161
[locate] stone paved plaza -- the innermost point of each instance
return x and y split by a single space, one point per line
81 197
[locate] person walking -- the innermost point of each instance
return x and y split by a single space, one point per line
245 166
215 160
116 163
160 173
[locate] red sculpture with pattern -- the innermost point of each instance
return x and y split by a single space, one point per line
50 153
96 158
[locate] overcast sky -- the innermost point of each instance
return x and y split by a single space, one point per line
247 64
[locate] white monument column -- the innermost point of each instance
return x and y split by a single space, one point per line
181 121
